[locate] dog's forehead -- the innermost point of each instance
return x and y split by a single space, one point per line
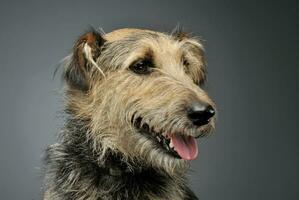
123 33
145 41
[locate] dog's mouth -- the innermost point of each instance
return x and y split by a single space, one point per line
180 146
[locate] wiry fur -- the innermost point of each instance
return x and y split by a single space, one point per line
100 154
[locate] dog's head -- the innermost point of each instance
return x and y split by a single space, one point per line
141 92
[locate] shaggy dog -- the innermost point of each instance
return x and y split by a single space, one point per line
134 108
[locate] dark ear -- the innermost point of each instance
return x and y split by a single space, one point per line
85 53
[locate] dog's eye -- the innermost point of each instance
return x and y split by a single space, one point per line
185 62
142 66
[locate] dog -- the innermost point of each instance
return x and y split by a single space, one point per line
134 107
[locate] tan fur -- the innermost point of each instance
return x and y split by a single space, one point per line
160 95
116 94
121 33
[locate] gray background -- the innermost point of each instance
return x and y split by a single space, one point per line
253 56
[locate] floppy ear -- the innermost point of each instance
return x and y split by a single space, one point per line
85 53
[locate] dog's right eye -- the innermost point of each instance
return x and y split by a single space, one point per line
142 66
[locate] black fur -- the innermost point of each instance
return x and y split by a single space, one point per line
73 159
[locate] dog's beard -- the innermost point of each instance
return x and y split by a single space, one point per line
141 145
138 151
165 150
155 155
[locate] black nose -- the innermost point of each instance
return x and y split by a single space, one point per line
200 114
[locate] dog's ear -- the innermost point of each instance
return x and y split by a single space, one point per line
85 53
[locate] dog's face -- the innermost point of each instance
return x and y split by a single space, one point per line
141 91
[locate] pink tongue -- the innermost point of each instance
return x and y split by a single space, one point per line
185 146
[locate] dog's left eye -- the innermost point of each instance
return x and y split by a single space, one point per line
142 66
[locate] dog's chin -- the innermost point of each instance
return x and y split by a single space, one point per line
155 155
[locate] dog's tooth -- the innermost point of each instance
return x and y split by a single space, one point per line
171 144
158 138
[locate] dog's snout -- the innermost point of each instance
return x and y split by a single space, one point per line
200 113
